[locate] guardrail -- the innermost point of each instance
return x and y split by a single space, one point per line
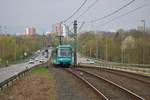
11 79
140 70
121 64
18 76
145 68
126 68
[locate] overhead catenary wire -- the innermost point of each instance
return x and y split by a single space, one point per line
75 12
112 13
127 13
92 5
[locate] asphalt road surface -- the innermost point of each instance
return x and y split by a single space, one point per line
12 70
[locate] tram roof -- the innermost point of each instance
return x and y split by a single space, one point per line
64 46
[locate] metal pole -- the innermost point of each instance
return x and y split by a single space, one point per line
15 49
0 29
144 25
60 40
106 52
143 60
122 55
75 40
90 51
96 44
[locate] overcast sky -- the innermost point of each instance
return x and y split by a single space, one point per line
16 15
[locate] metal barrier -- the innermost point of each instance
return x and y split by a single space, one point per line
11 79
14 77
19 75
122 67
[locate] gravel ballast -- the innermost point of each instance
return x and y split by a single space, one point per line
68 87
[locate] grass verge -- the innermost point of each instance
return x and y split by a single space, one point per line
38 84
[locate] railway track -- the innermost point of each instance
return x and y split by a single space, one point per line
138 77
104 88
98 93
143 79
132 83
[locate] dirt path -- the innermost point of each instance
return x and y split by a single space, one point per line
34 86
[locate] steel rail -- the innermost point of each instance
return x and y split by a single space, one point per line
103 97
134 95
124 74
121 73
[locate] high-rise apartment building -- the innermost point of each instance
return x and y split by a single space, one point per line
30 31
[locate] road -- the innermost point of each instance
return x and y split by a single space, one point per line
12 70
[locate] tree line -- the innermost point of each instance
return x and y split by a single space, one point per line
14 48
130 46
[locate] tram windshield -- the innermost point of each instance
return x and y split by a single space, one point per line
64 52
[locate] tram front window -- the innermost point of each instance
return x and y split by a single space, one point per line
64 52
